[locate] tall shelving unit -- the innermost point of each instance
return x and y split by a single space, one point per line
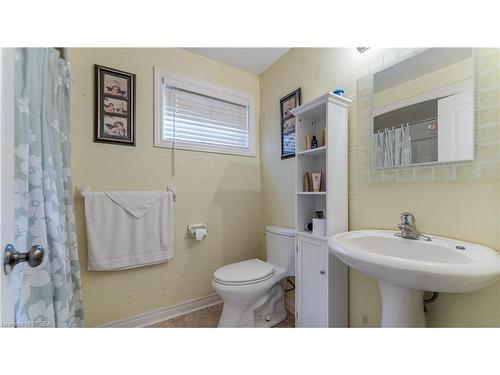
322 279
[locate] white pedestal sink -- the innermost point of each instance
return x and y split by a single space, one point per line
406 268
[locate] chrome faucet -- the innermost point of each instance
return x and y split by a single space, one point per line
409 229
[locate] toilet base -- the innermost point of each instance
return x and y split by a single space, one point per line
266 312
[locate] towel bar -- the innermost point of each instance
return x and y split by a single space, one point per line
81 191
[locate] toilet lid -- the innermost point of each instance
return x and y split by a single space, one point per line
243 272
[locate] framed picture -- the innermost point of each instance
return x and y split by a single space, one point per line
114 106
288 103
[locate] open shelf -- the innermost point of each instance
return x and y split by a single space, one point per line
313 152
310 165
307 205
325 118
313 127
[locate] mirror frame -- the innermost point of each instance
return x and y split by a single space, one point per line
486 163
432 163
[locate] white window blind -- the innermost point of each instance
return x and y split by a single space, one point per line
198 120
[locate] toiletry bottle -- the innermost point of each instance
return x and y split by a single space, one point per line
307 183
314 142
308 141
316 181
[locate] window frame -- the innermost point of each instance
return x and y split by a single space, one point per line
204 88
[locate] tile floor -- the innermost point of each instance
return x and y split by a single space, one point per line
208 318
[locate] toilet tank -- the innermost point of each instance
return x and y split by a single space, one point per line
280 247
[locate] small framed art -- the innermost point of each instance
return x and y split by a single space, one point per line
114 106
287 103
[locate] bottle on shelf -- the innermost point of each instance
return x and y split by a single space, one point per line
308 141
316 181
314 142
307 183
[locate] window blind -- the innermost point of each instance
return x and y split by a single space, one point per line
197 119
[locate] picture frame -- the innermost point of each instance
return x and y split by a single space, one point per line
114 106
287 103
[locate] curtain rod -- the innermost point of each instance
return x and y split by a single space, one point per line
410 123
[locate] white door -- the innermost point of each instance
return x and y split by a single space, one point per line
312 274
7 180
456 127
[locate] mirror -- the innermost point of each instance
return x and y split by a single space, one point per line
423 109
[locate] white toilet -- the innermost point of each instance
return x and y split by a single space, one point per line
253 290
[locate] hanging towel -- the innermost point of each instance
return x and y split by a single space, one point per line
128 229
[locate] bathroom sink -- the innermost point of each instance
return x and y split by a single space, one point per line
440 265
406 268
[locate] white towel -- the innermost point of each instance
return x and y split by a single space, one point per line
128 229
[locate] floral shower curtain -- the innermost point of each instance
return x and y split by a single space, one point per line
392 147
49 295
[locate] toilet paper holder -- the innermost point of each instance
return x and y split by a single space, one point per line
198 231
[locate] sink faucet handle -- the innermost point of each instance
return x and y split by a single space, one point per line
407 218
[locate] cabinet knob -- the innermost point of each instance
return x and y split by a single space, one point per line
322 272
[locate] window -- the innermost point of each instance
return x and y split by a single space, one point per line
201 117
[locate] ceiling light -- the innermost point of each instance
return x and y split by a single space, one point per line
362 49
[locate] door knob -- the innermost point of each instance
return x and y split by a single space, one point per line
322 272
11 257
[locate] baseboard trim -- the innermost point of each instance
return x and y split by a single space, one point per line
165 313
290 305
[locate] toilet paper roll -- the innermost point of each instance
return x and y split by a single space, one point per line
200 233
319 227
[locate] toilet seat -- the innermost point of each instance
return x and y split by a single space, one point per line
245 272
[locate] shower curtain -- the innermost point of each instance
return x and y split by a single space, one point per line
392 147
49 295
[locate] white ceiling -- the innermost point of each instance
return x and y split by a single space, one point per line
256 60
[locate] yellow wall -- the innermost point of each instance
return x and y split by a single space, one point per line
220 190
238 196
467 210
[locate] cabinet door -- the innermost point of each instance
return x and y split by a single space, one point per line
312 282
456 127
